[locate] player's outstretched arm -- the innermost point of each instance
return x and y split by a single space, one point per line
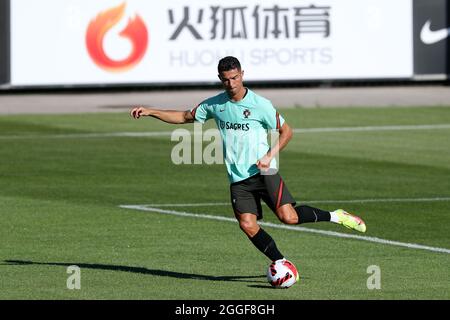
169 116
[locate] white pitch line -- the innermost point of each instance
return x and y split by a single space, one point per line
91 135
375 128
289 227
212 204
204 204
169 133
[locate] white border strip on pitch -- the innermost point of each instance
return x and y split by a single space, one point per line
212 204
375 128
169 133
288 227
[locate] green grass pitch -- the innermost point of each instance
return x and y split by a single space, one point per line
60 192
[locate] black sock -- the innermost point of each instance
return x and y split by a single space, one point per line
264 242
308 214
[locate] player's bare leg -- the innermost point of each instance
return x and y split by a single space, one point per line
248 224
287 214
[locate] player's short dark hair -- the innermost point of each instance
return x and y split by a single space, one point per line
228 63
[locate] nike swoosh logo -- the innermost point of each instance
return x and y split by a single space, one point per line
430 37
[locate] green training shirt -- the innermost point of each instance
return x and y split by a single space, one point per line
244 127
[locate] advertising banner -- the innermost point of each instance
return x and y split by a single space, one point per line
431 32
74 42
4 43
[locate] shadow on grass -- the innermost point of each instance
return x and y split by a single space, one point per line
260 286
140 270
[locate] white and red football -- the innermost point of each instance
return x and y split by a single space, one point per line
282 274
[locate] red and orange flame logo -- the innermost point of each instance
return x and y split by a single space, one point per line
136 32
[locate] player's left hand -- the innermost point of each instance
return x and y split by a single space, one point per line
138 112
263 164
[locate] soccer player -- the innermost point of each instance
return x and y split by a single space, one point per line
242 115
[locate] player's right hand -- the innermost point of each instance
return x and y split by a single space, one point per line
137 112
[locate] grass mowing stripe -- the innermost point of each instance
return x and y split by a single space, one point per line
211 204
169 133
288 227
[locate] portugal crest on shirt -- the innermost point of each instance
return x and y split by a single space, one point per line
246 113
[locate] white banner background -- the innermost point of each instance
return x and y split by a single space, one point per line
367 39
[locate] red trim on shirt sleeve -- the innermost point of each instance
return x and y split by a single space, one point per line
194 111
